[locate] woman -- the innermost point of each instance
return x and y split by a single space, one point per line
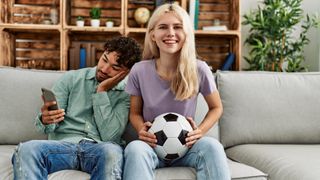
169 81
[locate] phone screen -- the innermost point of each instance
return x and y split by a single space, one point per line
48 96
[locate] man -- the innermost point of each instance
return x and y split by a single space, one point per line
85 133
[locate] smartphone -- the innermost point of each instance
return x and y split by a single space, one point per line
48 96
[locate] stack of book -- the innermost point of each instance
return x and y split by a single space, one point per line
215 28
194 12
84 54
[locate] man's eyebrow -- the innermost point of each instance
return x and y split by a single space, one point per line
117 65
106 57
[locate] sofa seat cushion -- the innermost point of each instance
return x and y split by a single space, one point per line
68 175
238 171
281 162
6 152
241 171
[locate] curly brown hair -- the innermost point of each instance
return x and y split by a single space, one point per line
128 50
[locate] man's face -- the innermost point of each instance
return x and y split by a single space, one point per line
108 66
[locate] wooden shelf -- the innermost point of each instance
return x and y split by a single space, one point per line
29 27
94 29
135 30
24 20
218 33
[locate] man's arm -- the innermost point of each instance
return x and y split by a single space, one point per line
111 114
47 121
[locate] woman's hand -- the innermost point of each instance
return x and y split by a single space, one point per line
194 135
147 137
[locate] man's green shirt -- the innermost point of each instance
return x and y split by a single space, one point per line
99 116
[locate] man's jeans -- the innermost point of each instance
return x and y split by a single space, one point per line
38 158
207 156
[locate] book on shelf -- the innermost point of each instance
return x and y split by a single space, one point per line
215 28
83 56
228 62
194 12
74 56
159 2
91 52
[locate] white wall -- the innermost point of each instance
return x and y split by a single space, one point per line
312 50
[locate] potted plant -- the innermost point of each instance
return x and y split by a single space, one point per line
95 14
109 23
271 40
80 21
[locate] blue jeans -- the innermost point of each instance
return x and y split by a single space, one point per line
207 156
38 158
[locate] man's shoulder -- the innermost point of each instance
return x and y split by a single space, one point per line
79 73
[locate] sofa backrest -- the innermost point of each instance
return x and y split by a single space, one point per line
20 102
266 107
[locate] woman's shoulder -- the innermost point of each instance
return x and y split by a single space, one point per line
202 66
143 64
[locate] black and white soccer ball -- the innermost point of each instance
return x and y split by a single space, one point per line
171 130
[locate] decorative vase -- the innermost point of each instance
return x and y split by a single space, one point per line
54 15
109 24
95 22
80 23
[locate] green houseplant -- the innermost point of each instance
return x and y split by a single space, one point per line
80 21
271 36
109 23
95 14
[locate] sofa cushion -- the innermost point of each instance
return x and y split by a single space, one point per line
241 171
238 171
69 175
281 162
201 111
267 107
21 101
6 152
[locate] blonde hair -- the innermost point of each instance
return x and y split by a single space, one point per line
185 82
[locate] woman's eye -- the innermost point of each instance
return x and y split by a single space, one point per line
178 27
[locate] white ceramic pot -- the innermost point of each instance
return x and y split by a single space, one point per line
80 23
109 24
95 22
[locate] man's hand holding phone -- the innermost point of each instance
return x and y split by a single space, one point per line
51 114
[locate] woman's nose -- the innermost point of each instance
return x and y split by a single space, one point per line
171 31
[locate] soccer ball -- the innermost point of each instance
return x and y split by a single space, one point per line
171 130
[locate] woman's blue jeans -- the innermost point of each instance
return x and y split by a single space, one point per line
207 156
38 158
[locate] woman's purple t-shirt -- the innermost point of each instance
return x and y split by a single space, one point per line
156 94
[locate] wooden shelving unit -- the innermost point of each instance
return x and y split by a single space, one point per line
27 42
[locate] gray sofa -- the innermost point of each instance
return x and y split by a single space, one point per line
270 126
